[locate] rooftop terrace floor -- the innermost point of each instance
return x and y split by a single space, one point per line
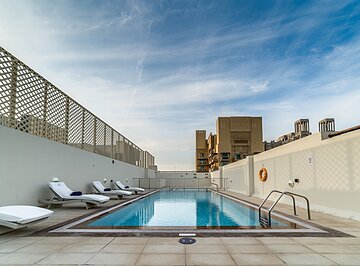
29 246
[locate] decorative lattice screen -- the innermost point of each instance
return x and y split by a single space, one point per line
30 103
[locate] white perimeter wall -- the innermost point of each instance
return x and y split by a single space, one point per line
180 174
328 172
181 179
28 163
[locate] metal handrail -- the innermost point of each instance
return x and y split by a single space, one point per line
306 199
216 185
287 193
277 191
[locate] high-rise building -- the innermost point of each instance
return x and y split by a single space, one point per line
201 156
236 137
212 152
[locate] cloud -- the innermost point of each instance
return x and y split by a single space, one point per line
156 72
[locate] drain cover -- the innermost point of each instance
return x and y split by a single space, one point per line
187 240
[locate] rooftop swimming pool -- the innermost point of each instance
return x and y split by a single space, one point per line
168 212
184 208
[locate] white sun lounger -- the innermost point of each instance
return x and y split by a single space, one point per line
19 216
132 189
102 190
63 195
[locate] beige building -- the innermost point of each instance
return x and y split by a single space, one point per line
201 156
212 152
236 137
302 130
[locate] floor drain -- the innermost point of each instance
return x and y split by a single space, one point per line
187 240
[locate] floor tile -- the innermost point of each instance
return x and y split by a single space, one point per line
161 259
240 240
66 258
164 249
334 248
208 241
164 241
315 240
257 259
114 258
344 259
212 249
14 258
305 259
129 240
288 249
348 240
95 240
4 239
247 249
40 248
59 240
76 248
209 259
8 248
123 249
25 240
277 240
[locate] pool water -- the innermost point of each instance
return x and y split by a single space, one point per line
183 208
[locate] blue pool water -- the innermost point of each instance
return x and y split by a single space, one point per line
184 208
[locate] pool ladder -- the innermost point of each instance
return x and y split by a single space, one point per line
266 221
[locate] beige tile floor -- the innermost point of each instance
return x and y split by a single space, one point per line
18 247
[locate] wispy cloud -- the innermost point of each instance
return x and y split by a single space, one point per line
157 71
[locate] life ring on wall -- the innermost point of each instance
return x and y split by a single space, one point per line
263 174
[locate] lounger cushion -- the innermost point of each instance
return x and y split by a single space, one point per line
127 188
108 191
76 193
23 214
89 197
64 192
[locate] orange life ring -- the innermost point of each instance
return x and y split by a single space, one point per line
263 174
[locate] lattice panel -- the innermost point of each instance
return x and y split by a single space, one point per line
116 143
137 155
108 141
75 124
283 173
56 115
100 137
355 155
125 150
30 96
303 168
131 153
334 174
32 104
89 132
6 67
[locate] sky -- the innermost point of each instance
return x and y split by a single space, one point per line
156 71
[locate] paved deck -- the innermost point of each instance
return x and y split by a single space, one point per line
19 247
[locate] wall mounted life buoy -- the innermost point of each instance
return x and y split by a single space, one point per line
263 174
